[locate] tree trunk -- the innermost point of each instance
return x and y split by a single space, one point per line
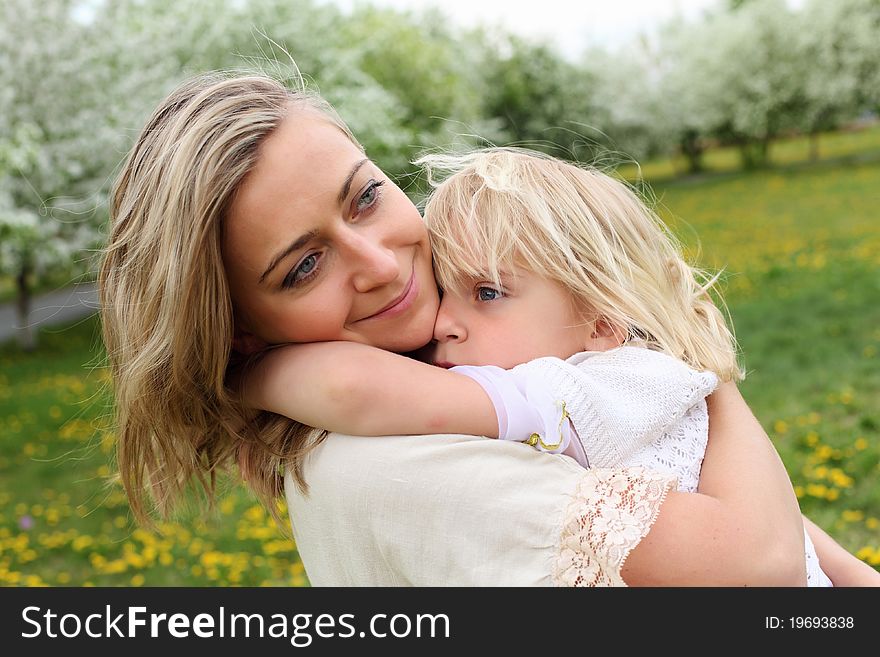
814 146
764 152
754 153
693 151
26 335
746 156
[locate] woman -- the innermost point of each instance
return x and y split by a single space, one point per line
248 215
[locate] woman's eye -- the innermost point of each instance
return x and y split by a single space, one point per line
369 196
302 271
488 293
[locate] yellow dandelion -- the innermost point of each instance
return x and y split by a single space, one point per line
865 553
33 581
255 513
80 543
852 515
780 426
839 478
816 490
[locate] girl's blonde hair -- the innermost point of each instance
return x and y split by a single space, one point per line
165 303
583 229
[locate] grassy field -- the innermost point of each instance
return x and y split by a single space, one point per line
63 521
800 246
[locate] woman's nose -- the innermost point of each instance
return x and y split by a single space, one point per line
448 326
374 265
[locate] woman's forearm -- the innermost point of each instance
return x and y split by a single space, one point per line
743 527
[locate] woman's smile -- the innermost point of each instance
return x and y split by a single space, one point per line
401 303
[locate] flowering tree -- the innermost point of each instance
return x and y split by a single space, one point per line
631 110
839 43
59 140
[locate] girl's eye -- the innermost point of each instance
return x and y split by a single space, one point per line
485 293
302 271
369 196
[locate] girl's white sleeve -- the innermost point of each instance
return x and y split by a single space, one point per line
621 400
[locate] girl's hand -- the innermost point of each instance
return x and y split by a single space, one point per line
842 568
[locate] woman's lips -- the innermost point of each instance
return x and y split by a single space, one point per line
402 303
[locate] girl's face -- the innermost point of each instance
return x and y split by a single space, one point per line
529 317
320 245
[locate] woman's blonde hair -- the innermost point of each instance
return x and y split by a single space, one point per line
165 304
583 229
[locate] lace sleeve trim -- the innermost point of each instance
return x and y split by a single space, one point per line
610 512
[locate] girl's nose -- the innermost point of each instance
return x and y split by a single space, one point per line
448 327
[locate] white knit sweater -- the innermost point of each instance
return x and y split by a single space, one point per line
632 406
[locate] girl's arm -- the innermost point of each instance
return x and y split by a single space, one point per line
842 568
360 390
743 528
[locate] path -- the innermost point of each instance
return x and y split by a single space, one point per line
57 307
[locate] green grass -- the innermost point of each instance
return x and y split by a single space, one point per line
62 521
800 245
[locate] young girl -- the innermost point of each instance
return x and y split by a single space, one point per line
569 321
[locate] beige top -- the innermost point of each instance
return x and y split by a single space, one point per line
452 510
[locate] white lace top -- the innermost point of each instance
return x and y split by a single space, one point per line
453 510
632 406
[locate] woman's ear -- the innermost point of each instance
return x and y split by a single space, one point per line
247 343
603 335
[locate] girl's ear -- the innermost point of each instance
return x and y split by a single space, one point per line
247 343
603 335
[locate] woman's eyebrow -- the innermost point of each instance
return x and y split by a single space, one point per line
302 240
347 185
293 246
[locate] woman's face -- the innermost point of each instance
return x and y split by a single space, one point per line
320 245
